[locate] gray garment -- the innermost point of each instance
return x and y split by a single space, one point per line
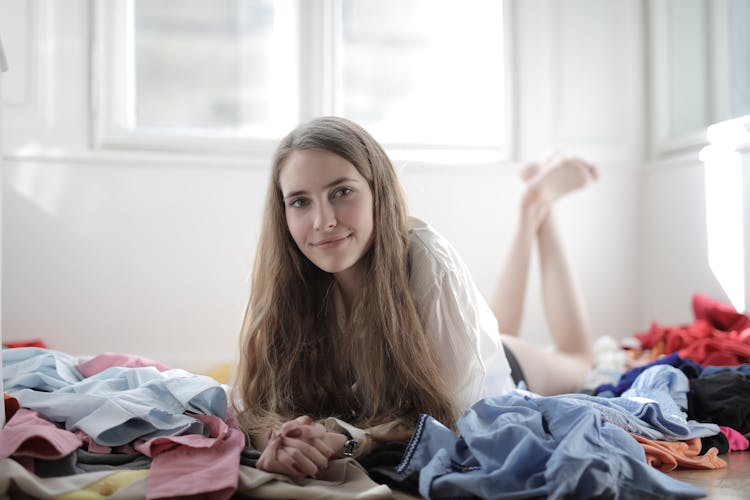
82 461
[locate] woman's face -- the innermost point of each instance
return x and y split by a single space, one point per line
329 209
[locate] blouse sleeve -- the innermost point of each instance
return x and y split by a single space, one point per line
458 321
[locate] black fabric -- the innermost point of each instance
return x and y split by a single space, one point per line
380 465
718 441
515 369
722 399
249 456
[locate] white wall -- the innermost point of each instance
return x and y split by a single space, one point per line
3 68
674 236
674 239
135 252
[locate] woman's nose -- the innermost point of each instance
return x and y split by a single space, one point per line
325 218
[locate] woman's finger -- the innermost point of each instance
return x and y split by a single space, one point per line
296 463
335 441
297 423
306 432
324 448
305 454
305 420
275 459
315 435
268 457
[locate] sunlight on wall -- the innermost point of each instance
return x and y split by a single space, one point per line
724 207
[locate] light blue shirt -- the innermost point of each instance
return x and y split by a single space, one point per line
116 406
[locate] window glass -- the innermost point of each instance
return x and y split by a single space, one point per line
739 58
220 65
424 74
425 71
687 85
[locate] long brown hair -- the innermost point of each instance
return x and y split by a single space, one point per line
294 357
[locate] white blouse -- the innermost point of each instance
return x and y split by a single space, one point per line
458 319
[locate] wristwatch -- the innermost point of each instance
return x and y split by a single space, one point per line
351 445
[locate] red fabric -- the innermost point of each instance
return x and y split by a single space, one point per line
719 335
720 315
26 343
11 406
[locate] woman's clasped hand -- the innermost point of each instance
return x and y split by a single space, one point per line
301 448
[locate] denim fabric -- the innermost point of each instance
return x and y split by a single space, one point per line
522 446
115 406
651 407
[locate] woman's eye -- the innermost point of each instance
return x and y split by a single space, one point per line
298 203
341 192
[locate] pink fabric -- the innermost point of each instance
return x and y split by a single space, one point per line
101 362
737 442
193 464
91 445
29 435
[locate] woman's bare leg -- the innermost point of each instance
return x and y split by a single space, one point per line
508 301
561 370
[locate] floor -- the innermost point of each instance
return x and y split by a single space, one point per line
721 484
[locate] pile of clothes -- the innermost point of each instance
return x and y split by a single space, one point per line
122 426
687 403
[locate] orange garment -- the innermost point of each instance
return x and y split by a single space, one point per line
669 455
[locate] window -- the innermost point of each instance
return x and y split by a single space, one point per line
700 68
236 75
221 66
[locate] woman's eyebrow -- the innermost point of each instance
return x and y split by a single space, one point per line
335 182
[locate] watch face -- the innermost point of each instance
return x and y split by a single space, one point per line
350 447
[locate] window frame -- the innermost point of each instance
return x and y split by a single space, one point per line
712 104
318 66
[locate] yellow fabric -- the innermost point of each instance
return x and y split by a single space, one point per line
222 373
106 487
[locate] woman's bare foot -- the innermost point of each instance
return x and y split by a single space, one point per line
529 171
546 184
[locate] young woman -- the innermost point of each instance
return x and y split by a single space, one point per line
358 312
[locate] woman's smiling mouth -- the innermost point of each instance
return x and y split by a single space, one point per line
331 242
